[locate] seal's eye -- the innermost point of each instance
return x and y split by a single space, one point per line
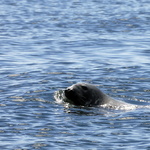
84 88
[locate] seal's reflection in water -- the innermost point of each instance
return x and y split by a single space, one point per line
90 111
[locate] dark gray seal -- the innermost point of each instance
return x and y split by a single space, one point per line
84 94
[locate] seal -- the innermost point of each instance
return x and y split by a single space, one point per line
84 94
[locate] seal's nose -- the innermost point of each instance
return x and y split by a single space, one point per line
68 90
69 93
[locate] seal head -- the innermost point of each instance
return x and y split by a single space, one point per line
85 95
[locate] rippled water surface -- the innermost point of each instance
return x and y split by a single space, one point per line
48 45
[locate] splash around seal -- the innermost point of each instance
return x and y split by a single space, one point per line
84 94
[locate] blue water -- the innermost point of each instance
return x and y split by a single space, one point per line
48 45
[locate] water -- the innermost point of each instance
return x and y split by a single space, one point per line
49 45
